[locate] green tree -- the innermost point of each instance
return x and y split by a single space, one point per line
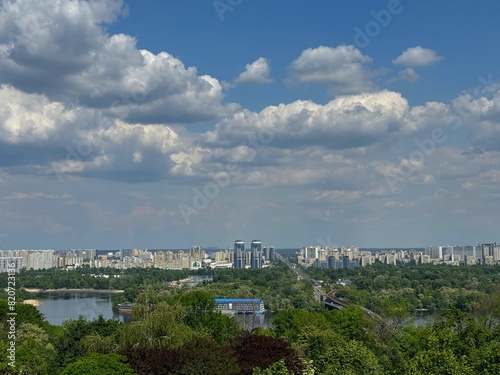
219 327
34 352
351 322
438 362
487 308
252 350
277 368
99 364
292 322
197 304
24 314
204 356
163 327
68 340
145 302
97 343
486 360
333 354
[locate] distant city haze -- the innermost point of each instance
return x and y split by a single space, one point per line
166 124
237 257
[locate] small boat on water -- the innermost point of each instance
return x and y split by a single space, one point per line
125 306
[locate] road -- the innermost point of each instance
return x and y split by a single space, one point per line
319 295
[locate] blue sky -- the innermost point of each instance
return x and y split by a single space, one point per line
173 123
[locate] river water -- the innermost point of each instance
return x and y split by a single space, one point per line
60 306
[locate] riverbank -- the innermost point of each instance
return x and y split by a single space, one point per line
33 302
88 290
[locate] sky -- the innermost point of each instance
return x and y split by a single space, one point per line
168 124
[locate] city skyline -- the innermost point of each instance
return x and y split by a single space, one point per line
248 250
138 124
238 258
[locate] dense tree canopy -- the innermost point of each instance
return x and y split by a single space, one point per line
175 330
380 287
99 364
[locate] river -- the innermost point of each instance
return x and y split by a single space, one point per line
424 318
60 306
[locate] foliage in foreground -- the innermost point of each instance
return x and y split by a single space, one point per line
177 332
99 364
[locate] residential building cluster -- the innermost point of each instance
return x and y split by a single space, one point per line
29 259
122 259
144 258
351 257
333 257
487 254
193 258
238 257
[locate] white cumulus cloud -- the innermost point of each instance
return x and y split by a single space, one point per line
344 68
61 48
409 74
417 56
257 72
345 122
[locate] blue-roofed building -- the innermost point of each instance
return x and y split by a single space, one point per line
240 305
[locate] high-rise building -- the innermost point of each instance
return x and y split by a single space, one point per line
265 253
196 253
41 259
311 253
271 253
447 250
239 254
9 264
470 251
256 254
268 253
335 262
125 253
347 262
496 253
435 252
485 251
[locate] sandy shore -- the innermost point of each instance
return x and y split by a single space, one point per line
34 302
107 291
32 290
